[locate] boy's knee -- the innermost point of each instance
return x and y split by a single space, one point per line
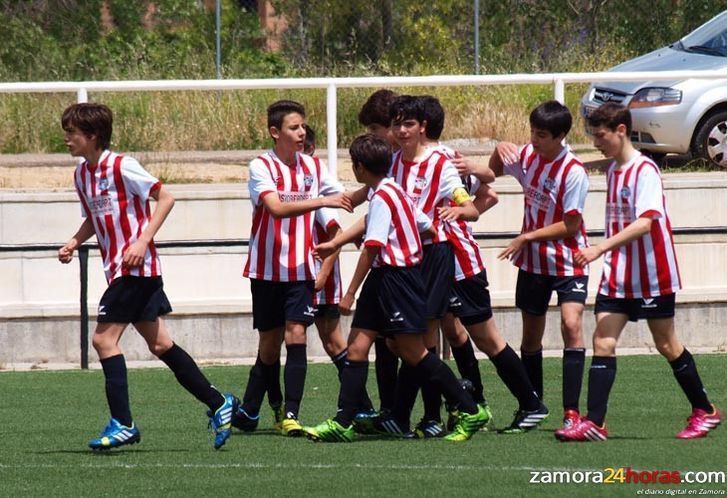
604 346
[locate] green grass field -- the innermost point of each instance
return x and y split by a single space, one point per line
48 417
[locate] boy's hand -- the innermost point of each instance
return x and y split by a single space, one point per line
340 200
346 303
325 249
513 247
450 213
464 166
508 152
585 256
134 255
65 253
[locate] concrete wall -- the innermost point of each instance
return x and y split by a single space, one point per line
39 296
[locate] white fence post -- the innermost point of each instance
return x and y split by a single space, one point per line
559 90
331 116
82 96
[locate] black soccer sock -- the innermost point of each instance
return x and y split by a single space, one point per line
353 387
339 360
255 390
574 360
513 375
405 395
117 388
533 363
685 371
387 364
600 380
294 378
433 370
271 373
432 398
191 377
469 369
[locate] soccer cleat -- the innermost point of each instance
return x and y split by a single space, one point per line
452 418
427 429
526 420
700 423
386 425
363 422
290 426
331 431
221 420
570 418
468 424
278 417
115 435
583 430
244 421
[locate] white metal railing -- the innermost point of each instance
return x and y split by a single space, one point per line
558 80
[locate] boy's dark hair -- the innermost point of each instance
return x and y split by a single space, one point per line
553 117
407 107
372 153
434 115
309 146
376 108
90 119
278 110
610 115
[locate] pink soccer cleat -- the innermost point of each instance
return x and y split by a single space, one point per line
700 423
583 430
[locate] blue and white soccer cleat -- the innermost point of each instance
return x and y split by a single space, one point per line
221 420
115 435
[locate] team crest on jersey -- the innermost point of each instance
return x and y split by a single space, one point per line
420 183
549 184
103 184
308 180
625 193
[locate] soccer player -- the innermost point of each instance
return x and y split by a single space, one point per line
555 185
639 281
114 191
470 300
286 186
374 115
391 301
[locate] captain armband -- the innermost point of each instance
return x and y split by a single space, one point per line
460 196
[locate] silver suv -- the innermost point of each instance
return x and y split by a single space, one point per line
676 116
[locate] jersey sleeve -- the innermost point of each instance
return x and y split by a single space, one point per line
450 180
327 217
260 182
649 193
378 222
422 220
328 184
138 180
576 189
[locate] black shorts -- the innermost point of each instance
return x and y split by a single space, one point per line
130 299
274 303
327 311
470 299
391 302
438 275
637 308
533 291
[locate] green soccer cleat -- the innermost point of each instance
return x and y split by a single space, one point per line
468 424
331 431
453 417
290 427
278 417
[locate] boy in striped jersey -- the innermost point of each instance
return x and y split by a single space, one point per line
469 300
640 278
391 301
114 191
555 185
286 187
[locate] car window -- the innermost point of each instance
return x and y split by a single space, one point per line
710 38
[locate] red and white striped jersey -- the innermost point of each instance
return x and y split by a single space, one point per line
467 258
646 267
280 249
430 183
393 224
331 292
115 195
551 190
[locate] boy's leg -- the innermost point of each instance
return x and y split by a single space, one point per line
264 377
296 364
106 343
531 349
464 355
387 366
574 358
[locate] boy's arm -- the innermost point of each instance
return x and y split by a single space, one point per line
365 260
358 197
134 255
635 230
329 261
485 198
84 232
505 153
466 211
561 230
280 209
351 234
466 167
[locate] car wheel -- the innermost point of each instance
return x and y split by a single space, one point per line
710 141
